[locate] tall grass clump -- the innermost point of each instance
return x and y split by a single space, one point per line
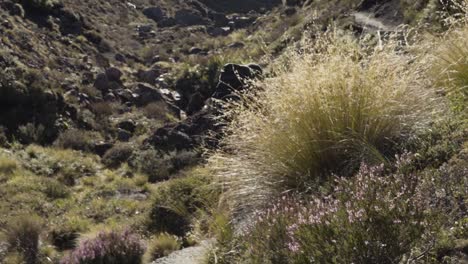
330 106
451 60
22 233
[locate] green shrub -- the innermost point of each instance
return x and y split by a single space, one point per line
329 108
64 234
55 189
66 165
77 139
23 235
160 166
7 166
117 155
162 245
176 201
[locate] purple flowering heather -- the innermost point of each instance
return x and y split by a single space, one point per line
372 217
108 248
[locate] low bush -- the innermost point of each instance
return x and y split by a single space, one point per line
65 232
162 245
108 248
176 201
55 189
7 166
160 166
77 139
65 165
117 155
23 236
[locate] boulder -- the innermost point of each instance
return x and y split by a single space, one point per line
243 21
128 125
197 101
167 22
188 17
195 50
101 147
123 135
236 45
146 94
120 58
114 74
102 82
218 31
144 28
87 78
219 19
235 77
155 13
149 76
168 139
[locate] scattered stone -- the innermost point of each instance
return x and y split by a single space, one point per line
188 17
110 97
167 22
236 45
148 76
169 139
155 59
87 78
102 82
144 28
120 57
243 21
219 19
234 78
195 50
123 135
101 147
218 31
155 13
128 125
127 95
197 101
114 74
146 94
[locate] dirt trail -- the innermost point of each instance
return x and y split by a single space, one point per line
191 255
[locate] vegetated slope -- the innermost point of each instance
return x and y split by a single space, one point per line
122 94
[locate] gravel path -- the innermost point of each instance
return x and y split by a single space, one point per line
191 255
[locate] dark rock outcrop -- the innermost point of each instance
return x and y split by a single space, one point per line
234 78
204 126
155 13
